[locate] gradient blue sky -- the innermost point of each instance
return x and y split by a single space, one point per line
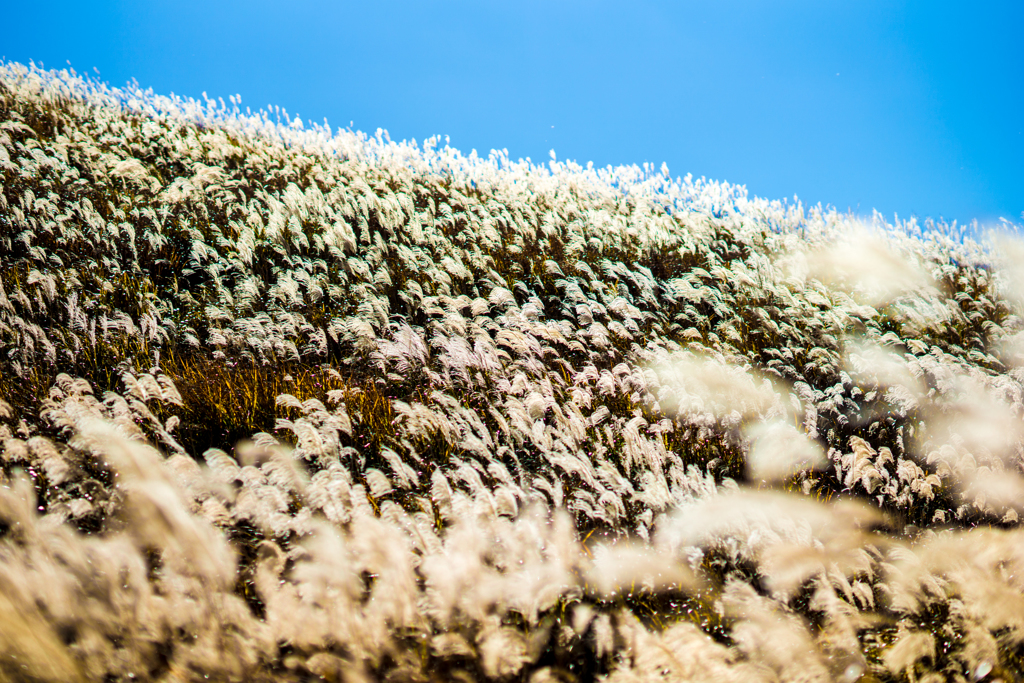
915 108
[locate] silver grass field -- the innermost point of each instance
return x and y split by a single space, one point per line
284 403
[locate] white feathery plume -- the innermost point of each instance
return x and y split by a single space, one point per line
624 567
779 450
871 267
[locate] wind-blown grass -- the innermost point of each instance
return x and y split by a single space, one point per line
282 403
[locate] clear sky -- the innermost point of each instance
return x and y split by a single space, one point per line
915 108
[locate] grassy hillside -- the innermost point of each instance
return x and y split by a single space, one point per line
282 403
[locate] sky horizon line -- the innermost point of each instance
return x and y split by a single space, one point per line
983 219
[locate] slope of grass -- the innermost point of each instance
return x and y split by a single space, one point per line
284 403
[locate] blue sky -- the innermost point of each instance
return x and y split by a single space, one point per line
915 108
